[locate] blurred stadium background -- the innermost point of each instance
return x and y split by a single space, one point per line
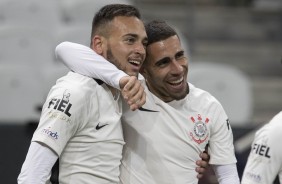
234 47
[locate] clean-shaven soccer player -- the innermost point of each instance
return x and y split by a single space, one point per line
265 159
164 138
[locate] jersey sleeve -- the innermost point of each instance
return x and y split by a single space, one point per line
221 147
265 160
37 165
226 174
85 61
64 112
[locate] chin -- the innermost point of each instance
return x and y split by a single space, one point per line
179 96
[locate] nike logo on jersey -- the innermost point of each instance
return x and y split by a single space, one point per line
147 110
98 127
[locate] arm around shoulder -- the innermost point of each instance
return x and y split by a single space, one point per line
85 61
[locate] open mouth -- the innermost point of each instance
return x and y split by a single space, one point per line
135 62
176 82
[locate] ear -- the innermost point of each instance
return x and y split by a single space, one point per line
98 44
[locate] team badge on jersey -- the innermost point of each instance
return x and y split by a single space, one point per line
200 131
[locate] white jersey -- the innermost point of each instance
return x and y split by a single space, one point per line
80 121
164 140
265 159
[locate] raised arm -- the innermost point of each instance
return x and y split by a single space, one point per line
84 60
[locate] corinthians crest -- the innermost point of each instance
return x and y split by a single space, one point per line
200 131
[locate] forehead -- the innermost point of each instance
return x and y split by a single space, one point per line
164 48
126 25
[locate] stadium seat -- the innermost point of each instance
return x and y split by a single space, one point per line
83 11
73 33
26 45
38 13
229 85
21 94
49 75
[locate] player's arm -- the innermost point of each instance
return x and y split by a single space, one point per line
221 148
37 166
265 158
133 92
226 174
83 60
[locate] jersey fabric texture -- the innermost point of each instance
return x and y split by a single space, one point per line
265 159
80 121
166 139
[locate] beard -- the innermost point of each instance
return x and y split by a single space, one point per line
112 59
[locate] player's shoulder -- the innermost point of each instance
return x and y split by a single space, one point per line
75 80
199 95
277 118
76 85
274 126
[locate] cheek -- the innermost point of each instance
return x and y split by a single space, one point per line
157 77
121 50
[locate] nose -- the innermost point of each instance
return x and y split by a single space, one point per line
176 67
140 49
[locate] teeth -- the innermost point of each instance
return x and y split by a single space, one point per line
177 81
135 62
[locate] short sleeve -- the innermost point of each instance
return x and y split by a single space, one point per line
64 111
265 159
221 147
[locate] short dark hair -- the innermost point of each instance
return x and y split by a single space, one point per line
108 13
158 30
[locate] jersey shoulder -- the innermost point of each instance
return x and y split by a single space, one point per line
273 128
201 97
74 88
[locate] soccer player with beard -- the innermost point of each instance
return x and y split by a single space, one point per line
80 125
165 137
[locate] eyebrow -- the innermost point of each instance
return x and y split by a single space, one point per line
165 59
130 34
180 53
135 36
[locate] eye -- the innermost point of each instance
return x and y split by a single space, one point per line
130 40
163 62
179 55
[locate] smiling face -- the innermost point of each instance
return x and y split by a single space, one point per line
124 45
166 69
